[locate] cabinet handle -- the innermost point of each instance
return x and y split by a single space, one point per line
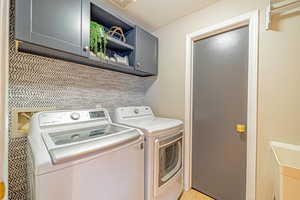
86 48
142 146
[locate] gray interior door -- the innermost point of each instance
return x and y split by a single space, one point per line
220 104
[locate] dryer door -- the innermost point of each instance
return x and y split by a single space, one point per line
170 157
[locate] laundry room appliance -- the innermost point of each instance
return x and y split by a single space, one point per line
163 151
82 155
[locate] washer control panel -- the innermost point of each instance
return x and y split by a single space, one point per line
69 117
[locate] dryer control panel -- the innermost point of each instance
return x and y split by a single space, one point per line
124 113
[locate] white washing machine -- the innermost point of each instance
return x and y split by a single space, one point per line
82 155
163 151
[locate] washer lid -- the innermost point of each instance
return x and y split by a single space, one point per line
81 150
81 135
153 124
70 145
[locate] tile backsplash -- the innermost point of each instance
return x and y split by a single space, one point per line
36 81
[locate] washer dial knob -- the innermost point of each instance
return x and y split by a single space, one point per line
75 116
136 111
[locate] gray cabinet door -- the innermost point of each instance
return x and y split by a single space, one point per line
56 24
146 52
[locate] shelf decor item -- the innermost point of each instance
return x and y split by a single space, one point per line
117 32
122 59
98 40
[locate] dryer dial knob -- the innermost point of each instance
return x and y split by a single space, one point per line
75 116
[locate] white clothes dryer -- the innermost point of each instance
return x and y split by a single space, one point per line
163 151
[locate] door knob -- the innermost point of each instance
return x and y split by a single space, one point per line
240 128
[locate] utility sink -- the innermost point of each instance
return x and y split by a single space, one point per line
287 171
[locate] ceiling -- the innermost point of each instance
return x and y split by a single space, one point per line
157 13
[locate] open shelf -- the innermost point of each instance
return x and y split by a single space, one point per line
116 45
106 18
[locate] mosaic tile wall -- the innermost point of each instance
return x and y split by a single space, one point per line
36 81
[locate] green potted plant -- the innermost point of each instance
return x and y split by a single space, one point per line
98 40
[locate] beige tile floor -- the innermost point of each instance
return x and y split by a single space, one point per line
194 195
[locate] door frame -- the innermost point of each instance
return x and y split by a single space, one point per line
252 20
4 53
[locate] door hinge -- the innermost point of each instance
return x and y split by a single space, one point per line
2 190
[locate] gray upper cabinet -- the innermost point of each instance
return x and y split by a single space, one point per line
146 55
57 24
61 29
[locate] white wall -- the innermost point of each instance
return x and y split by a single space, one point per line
279 79
124 13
